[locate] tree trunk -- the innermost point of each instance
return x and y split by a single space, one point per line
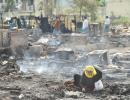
80 11
24 5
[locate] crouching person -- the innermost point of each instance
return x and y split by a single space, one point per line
90 80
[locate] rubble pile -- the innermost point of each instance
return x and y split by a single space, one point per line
69 85
8 66
122 59
111 91
43 46
61 57
117 29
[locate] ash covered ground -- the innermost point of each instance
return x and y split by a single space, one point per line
16 85
44 71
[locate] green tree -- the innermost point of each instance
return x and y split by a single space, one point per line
41 6
86 7
10 5
101 3
46 6
78 5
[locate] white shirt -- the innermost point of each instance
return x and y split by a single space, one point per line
85 24
107 21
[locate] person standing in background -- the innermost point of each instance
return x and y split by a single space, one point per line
106 25
57 26
85 26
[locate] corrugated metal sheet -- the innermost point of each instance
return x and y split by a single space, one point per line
4 39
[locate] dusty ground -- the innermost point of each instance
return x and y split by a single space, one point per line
42 87
53 85
16 85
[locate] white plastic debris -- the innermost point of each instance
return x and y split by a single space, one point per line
54 42
43 40
98 85
11 57
21 96
4 62
113 66
72 93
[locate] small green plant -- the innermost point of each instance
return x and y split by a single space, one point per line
125 21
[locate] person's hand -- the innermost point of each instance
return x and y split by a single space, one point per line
83 90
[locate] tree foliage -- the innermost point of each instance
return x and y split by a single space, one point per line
10 5
101 3
47 7
121 21
86 7
41 5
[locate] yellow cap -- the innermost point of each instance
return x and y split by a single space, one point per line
88 69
